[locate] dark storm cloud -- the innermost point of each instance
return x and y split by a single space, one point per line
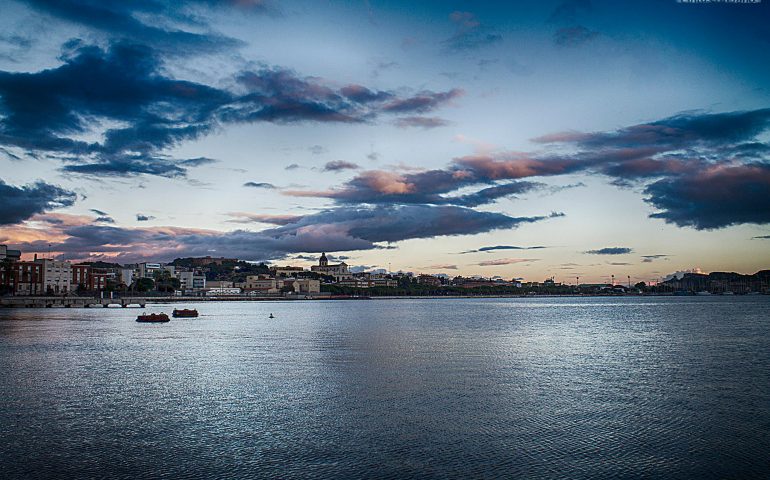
490 194
652 258
119 19
104 219
610 251
99 212
43 110
502 247
124 167
714 198
506 261
259 185
421 122
339 165
361 94
422 102
762 237
49 111
690 129
20 203
340 229
676 154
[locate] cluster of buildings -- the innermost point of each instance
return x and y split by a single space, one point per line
45 276
188 277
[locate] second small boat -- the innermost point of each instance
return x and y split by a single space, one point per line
153 318
184 313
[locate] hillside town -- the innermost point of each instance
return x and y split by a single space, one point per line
231 277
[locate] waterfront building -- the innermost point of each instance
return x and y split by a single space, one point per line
57 276
80 276
429 280
263 284
222 291
303 285
286 271
147 270
190 281
126 276
23 278
356 282
338 271
12 255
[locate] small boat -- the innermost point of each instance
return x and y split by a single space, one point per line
153 318
184 313
271 316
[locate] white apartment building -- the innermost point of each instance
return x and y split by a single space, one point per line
263 284
57 276
190 281
147 270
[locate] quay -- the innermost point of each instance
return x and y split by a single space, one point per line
69 302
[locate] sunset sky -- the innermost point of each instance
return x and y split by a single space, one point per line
566 138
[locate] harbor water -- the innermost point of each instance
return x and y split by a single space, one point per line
629 387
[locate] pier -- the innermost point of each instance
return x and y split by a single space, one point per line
70 302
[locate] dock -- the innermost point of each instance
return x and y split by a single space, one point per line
70 302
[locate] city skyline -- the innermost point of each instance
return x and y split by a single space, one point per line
546 139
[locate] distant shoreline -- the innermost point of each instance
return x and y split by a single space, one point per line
142 302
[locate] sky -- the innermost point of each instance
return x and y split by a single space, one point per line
531 139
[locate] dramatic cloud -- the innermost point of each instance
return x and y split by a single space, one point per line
505 261
442 267
610 251
259 185
652 258
124 20
99 212
144 218
502 247
243 217
340 229
124 96
714 198
339 165
426 187
763 237
421 122
490 194
423 102
20 203
695 161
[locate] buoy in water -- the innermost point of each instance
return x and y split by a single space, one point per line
271 316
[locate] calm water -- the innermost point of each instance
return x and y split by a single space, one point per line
543 388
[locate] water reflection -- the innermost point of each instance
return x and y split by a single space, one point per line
541 388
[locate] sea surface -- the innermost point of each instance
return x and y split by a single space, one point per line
630 387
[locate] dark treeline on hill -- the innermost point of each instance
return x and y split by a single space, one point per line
226 269
416 289
718 282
